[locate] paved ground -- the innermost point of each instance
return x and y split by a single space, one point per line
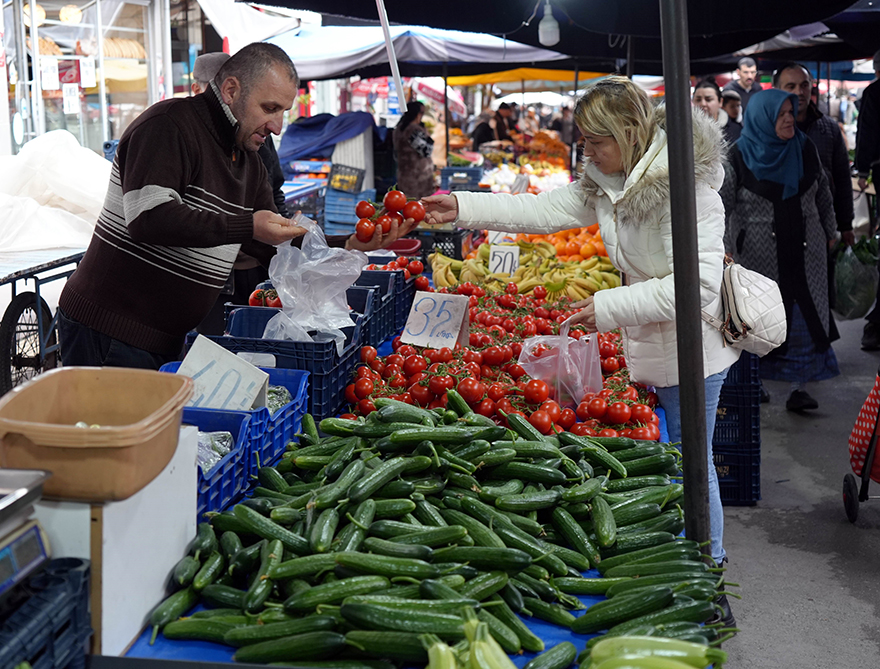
810 579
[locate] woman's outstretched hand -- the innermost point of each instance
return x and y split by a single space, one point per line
440 209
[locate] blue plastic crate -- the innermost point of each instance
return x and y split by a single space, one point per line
50 628
467 177
362 301
403 290
383 304
738 418
334 228
228 479
339 206
745 371
739 474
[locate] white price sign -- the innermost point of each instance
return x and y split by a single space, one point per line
437 320
70 98
223 380
87 76
49 80
503 259
495 236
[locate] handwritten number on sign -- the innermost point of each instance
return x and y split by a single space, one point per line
502 261
442 310
426 307
431 304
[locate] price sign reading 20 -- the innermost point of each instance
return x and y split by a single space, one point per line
435 319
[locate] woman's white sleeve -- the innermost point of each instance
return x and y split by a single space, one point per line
653 301
558 209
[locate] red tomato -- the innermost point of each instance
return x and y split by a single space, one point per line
418 377
641 413
583 430
397 381
654 429
406 274
368 354
504 405
440 384
394 200
529 330
474 338
414 210
541 421
395 359
445 355
378 365
652 400
406 350
421 395
348 416
363 388
414 364
395 343
487 372
541 312
364 209
364 372
621 362
630 393
539 292
274 301
597 408
472 356
432 354
516 371
607 349
471 390
610 365
605 393
391 370
515 348
350 395
566 419
536 391
642 433
626 432
608 432
423 283
366 406
485 408
508 324
396 216
583 411
511 288
618 413
493 356
497 331
257 298
401 262
553 410
384 222
364 230
475 370
497 391
416 267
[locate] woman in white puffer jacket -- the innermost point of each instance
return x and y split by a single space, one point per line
625 188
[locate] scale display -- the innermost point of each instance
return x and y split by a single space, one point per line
21 553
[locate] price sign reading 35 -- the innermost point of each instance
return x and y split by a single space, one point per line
437 320
503 259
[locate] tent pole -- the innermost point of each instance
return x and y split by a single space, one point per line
572 161
446 108
630 56
392 59
676 68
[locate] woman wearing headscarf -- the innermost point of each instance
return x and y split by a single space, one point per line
413 147
780 220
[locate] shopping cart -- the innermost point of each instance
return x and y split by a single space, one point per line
862 454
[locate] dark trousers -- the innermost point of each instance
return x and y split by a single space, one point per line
81 346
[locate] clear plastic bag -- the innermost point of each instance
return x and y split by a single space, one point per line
855 284
311 282
213 447
571 367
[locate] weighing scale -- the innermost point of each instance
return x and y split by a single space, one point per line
24 547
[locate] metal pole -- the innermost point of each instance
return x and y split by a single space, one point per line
572 161
446 109
676 61
630 56
392 59
37 110
102 82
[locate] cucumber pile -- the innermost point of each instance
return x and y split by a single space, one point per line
360 542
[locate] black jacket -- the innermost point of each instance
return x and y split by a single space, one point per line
269 155
826 135
868 134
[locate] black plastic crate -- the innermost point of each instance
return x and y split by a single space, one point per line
739 474
452 243
462 178
738 418
406 293
745 371
346 178
50 628
383 303
362 301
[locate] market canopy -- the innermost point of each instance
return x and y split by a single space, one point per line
524 74
331 52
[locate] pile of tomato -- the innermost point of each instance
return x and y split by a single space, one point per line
411 267
395 207
486 373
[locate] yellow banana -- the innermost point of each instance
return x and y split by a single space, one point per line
589 263
612 280
528 285
483 252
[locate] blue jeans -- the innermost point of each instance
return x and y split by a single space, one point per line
671 403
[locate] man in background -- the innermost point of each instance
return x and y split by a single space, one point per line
746 82
731 104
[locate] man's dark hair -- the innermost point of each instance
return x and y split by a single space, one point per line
251 62
746 62
503 105
791 65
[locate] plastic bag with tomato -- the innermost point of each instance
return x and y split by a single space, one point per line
571 367
311 282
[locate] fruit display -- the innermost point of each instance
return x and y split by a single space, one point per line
485 376
542 177
540 267
415 535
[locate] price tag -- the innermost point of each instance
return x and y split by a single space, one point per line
70 98
222 379
503 259
49 79
87 77
437 320
495 236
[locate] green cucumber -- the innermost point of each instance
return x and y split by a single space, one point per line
543 499
616 610
210 570
323 531
637 482
245 561
172 608
398 646
529 472
222 596
434 536
185 571
420 620
490 493
197 629
428 514
664 463
496 457
482 557
528 640
479 532
308 565
604 523
382 565
261 587
551 613
271 479
205 542
575 536
485 585
391 549
506 637
691 611
338 427
334 592
560 656
267 529
441 435
318 645
584 492
586 586
351 538
627 542
394 508
388 470
230 544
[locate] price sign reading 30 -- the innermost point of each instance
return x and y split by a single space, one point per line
503 259
437 320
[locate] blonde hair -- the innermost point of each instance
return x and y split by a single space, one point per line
616 107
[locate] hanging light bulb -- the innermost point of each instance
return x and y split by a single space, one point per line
41 15
548 28
70 14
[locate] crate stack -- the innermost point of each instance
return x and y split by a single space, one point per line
454 243
339 216
460 178
736 442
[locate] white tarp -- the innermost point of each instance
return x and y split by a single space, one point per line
329 52
242 24
51 194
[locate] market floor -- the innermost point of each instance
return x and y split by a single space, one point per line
810 579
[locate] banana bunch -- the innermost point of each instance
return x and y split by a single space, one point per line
445 270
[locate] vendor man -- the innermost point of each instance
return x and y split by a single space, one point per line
187 190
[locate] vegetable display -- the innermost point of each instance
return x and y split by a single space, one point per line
417 535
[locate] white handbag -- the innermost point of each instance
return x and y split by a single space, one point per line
753 312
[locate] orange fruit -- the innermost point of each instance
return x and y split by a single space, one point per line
572 247
600 248
560 248
588 250
575 258
593 229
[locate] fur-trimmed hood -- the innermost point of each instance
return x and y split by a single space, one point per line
647 188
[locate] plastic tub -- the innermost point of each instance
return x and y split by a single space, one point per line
139 412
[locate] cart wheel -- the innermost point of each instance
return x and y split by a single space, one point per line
851 497
20 342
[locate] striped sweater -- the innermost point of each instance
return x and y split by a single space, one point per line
179 207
